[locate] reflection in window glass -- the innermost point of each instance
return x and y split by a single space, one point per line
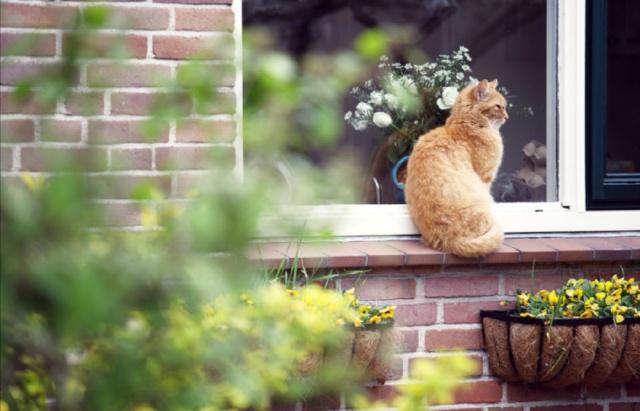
503 39
623 64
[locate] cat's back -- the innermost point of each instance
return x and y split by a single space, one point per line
435 149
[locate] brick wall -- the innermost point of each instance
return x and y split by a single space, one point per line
104 111
439 309
102 116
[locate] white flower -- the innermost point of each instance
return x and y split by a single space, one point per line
459 76
363 109
382 119
360 125
466 67
391 100
449 95
376 98
463 48
458 57
348 115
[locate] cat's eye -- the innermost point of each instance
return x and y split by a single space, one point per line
498 106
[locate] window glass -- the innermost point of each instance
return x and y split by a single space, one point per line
511 40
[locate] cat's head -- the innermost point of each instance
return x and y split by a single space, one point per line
482 99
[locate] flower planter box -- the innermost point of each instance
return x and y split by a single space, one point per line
593 351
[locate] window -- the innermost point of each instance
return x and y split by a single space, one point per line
613 124
537 48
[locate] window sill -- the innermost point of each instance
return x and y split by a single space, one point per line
407 253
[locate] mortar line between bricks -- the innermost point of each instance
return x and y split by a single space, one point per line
439 327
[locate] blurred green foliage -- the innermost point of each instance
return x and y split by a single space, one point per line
176 318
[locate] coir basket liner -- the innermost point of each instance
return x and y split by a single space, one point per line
592 351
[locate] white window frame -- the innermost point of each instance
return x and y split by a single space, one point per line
567 215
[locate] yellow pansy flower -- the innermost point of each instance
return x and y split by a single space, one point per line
600 295
375 319
553 297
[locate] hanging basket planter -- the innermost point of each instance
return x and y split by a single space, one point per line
372 351
593 351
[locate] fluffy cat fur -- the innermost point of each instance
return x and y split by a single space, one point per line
450 172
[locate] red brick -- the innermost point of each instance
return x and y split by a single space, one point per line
110 45
10 104
478 392
416 252
197 18
138 18
16 130
381 288
131 159
625 406
61 130
119 214
518 392
123 131
476 360
379 254
533 284
205 131
457 313
194 74
416 314
84 102
63 159
6 158
138 103
28 44
504 254
127 75
189 184
223 102
189 158
572 407
532 249
14 72
45 15
613 391
125 187
607 249
209 47
633 390
453 339
570 249
409 341
461 286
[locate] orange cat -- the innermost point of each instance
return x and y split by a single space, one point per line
450 172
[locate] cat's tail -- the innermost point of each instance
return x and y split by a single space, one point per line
477 246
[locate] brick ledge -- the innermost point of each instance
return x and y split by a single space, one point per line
412 252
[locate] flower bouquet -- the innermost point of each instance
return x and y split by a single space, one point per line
584 332
407 100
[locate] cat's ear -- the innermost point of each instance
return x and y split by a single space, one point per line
481 90
494 83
